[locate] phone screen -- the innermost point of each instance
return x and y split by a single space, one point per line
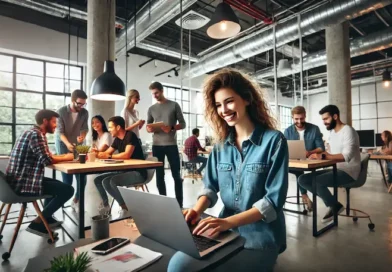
109 244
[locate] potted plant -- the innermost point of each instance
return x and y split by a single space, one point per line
82 151
67 263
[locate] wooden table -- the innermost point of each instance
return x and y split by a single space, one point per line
313 165
96 167
379 158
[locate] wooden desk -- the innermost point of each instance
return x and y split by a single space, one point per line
379 158
313 165
96 168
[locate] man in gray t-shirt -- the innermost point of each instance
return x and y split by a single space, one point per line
165 138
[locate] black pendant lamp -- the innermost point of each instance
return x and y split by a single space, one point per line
108 86
224 23
386 78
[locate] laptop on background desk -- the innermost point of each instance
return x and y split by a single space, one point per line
160 218
297 150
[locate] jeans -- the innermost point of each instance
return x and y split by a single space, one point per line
202 160
297 175
246 260
108 183
324 179
171 152
389 168
61 193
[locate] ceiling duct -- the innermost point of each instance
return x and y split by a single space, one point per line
313 21
192 20
360 46
148 19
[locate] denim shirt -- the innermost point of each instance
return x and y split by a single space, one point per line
312 136
256 177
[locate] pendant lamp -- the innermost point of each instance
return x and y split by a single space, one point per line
224 23
386 78
108 86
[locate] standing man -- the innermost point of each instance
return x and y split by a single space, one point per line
344 149
165 137
191 146
301 130
26 171
72 128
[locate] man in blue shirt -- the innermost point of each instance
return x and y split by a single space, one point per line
301 130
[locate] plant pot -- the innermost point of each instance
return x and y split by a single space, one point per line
82 158
100 227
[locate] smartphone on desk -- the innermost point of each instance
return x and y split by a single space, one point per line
109 245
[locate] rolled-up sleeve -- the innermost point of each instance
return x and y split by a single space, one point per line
349 146
211 184
276 184
60 123
319 139
85 122
40 148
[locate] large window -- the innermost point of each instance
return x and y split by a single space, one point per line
27 85
285 119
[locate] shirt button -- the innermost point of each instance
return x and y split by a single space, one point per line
236 199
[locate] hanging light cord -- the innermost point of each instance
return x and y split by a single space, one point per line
69 45
110 16
181 37
126 43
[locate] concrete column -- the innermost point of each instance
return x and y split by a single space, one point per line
100 47
338 69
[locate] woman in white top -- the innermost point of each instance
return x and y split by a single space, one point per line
130 114
101 137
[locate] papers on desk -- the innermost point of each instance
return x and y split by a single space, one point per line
128 258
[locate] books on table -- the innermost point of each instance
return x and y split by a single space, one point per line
128 258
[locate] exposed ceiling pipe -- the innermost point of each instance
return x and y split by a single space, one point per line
360 46
163 51
53 9
148 19
316 20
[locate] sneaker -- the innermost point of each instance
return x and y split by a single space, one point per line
75 206
53 223
40 230
104 209
329 215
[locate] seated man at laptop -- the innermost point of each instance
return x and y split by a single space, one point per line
128 146
26 169
191 146
301 130
344 149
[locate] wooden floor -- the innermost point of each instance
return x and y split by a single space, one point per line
350 247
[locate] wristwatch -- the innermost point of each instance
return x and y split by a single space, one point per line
323 156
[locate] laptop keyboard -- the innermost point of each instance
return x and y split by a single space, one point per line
202 243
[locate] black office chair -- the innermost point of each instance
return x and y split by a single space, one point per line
356 184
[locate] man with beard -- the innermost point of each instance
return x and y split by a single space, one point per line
344 149
72 128
165 138
301 130
26 169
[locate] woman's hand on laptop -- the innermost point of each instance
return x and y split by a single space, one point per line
213 225
191 216
315 156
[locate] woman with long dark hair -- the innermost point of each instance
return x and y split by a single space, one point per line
249 167
101 136
386 136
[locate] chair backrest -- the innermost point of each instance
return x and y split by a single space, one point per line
7 195
150 172
363 174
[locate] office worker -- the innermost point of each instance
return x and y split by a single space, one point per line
165 138
249 167
130 114
101 136
386 137
344 149
72 128
191 146
302 130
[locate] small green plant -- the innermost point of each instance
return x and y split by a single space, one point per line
82 149
67 263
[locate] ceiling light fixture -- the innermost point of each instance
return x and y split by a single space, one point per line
386 78
108 86
224 23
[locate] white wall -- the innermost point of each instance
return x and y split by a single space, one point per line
371 108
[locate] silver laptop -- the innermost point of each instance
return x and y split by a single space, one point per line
297 150
160 218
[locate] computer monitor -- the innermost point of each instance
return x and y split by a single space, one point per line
367 138
379 141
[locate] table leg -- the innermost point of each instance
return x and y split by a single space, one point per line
81 186
383 173
335 193
53 174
